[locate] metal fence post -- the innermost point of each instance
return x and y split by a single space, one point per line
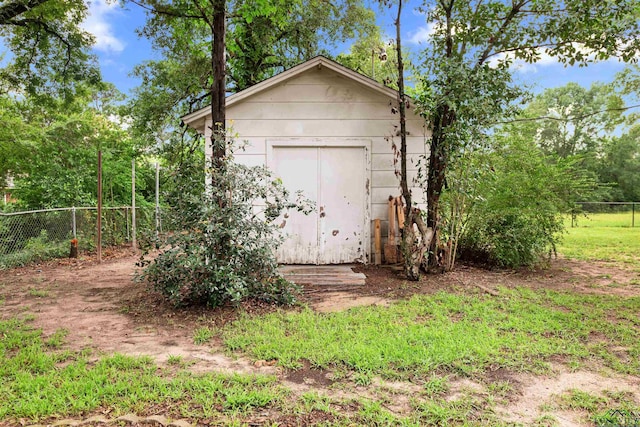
126 216
134 243
157 200
99 218
633 214
73 221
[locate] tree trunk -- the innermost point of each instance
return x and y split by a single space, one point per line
403 116
438 160
218 104
218 89
415 245
416 236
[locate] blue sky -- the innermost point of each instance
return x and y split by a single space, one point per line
119 49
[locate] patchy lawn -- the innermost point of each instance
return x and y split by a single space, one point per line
42 379
558 346
466 334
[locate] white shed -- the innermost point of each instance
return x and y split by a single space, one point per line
328 131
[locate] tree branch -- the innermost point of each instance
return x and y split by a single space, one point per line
515 9
463 48
163 11
515 49
544 12
195 101
16 8
203 15
567 118
44 26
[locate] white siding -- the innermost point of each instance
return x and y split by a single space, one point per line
320 107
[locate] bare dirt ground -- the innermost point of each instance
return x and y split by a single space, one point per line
101 307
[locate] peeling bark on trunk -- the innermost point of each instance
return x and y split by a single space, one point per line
417 236
416 240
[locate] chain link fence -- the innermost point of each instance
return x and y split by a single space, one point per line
42 234
606 214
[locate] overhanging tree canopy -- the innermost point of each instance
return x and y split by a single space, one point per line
48 52
467 84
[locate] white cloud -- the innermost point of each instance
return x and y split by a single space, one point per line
523 67
422 34
98 23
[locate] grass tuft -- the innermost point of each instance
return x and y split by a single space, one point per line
203 335
436 386
38 293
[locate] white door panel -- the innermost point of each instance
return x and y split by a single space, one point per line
334 178
341 204
298 169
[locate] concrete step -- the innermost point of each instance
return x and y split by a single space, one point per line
322 275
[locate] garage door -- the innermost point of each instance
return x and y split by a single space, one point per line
334 178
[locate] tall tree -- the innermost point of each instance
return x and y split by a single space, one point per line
582 125
466 72
416 237
572 119
373 57
619 166
14 137
262 44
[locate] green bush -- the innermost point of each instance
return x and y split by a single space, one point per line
519 198
226 249
36 249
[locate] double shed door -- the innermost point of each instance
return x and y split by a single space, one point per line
334 178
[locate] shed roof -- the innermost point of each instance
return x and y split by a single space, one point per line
197 118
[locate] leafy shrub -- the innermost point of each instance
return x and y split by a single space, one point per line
226 249
519 198
36 249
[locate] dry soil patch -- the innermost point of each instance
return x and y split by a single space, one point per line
540 390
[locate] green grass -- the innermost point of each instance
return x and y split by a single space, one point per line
435 386
203 335
175 360
40 380
618 219
462 334
603 243
599 407
38 293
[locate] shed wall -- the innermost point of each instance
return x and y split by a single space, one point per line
323 107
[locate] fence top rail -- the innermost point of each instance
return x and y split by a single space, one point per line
66 209
608 203
34 211
88 208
